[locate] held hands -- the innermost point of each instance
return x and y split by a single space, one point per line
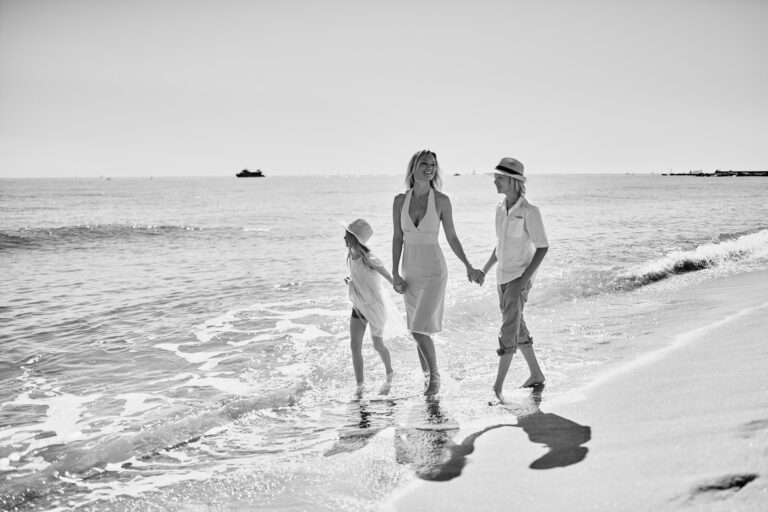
398 284
475 275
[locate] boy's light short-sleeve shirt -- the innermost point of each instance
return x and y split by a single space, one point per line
519 232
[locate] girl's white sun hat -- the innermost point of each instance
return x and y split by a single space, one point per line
360 229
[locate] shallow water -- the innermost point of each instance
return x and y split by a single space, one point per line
183 343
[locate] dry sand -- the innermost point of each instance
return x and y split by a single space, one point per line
682 428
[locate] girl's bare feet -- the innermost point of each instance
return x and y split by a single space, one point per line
384 390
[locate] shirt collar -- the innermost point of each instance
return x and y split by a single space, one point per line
520 202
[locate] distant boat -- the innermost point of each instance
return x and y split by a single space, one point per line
245 173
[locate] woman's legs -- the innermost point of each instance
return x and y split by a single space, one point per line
422 359
427 355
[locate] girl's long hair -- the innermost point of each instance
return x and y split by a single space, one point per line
437 180
354 244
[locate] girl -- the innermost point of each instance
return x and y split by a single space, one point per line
369 304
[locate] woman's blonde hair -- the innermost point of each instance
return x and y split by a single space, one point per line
437 180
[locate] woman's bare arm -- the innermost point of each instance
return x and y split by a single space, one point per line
445 211
397 243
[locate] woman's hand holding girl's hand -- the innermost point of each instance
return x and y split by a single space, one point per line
398 284
347 279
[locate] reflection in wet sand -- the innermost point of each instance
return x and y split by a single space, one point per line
425 443
369 420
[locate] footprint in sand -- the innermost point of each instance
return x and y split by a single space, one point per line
722 487
751 429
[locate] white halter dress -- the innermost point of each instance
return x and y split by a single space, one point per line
423 269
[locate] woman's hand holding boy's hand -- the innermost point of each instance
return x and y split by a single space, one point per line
475 275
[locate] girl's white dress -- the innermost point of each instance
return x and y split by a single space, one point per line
371 301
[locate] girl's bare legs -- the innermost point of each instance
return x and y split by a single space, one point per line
356 333
427 355
378 344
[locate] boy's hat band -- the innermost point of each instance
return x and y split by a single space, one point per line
512 168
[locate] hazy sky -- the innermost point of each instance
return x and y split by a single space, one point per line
208 87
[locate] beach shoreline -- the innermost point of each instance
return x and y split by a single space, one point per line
683 427
230 384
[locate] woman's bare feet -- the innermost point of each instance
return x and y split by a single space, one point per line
498 394
359 390
434 385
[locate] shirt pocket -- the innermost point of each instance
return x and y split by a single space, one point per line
515 227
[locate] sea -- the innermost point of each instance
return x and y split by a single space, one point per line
183 343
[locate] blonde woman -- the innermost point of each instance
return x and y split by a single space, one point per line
417 215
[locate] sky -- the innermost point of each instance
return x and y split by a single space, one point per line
209 87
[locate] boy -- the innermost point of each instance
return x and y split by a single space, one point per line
521 244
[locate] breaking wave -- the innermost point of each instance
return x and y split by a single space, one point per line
79 234
728 248
29 478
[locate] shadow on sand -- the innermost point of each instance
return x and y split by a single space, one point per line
562 436
433 455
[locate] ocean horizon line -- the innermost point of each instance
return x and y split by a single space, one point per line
320 175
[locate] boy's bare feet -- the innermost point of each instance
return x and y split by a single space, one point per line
533 380
498 394
359 390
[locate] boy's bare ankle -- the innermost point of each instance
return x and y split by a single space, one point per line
534 380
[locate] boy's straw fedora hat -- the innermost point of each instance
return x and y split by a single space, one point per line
360 229
512 168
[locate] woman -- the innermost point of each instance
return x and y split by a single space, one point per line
417 215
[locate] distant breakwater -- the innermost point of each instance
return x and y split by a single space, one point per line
717 174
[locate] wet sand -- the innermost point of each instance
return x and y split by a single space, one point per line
684 427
